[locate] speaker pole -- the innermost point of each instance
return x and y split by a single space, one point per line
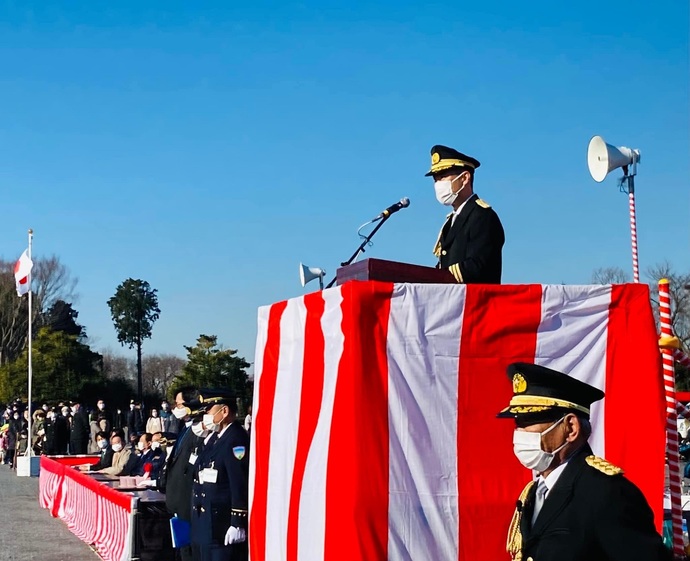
629 180
633 227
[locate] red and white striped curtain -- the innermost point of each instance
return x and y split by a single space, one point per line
92 511
374 434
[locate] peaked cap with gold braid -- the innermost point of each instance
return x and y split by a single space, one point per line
443 158
541 394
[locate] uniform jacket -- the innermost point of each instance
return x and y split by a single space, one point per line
590 516
473 243
178 476
224 503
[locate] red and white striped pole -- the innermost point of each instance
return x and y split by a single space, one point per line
633 231
671 421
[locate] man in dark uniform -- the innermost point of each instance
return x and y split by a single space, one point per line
80 432
178 476
220 494
580 507
471 240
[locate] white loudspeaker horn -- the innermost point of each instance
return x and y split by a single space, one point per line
603 158
307 274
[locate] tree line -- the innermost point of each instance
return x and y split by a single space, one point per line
64 365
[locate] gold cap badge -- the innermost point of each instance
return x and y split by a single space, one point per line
519 383
435 158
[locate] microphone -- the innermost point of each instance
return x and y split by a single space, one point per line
403 203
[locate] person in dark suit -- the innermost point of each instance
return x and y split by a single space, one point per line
136 423
471 240
220 492
79 435
178 475
581 507
106 458
62 430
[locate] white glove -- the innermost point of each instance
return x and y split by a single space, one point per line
235 535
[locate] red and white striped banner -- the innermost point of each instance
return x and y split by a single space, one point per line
96 514
374 434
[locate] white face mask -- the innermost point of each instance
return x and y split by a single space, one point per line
154 414
140 445
102 444
527 448
179 412
155 445
209 424
117 447
198 430
444 191
101 406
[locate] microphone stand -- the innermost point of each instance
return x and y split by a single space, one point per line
361 247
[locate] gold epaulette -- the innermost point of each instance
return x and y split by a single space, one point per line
603 466
482 203
514 543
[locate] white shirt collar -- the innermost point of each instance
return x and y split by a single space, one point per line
551 479
458 210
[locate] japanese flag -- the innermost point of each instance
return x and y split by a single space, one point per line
22 270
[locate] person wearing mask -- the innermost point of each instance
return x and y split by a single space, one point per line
580 507
177 476
79 434
106 454
136 423
120 459
154 422
102 412
471 240
150 460
12 437
49 438
169 422
220 491
38 431
62 430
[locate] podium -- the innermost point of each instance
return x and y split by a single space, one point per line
392 271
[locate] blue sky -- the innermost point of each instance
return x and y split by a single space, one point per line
210 148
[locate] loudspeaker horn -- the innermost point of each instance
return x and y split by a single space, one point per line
603 158
307 274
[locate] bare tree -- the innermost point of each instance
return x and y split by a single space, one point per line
158 372
118 367
51 281
609 275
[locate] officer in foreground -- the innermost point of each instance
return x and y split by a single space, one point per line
580 507
471 240
221 480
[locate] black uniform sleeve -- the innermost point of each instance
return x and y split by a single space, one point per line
625 526
238 476
487 238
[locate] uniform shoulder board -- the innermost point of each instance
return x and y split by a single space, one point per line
603 466
482 203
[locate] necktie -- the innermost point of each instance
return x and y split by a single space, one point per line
542 489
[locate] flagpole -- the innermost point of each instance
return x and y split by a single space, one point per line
29 450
